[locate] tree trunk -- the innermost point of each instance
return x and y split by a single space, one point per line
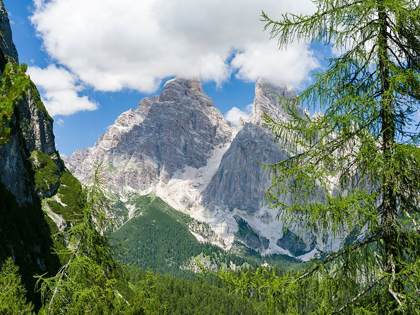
389 210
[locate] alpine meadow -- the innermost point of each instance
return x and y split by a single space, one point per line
303 202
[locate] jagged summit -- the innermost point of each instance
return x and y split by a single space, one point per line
265 88
6 42
176 89
266 100
166 133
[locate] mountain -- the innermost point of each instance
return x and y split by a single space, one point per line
32 178
179 147
168 241
166 133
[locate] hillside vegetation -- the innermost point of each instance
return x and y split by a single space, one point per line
158 237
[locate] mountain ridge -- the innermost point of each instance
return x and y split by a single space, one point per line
179 146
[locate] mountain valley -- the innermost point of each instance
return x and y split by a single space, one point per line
178 147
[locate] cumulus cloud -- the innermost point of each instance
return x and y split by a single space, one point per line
112 45
59 91
261 61
235 114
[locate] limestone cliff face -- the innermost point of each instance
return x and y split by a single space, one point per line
266 101
240 181
32 127
6 43
25 231
165 134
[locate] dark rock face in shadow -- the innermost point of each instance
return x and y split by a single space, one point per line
294 244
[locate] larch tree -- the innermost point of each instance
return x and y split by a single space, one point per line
88 282
354 170
12 291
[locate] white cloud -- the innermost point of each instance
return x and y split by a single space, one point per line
134 44
262 61
60 122
235 114
59 90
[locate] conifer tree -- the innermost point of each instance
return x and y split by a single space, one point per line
12 291
88 282
354 170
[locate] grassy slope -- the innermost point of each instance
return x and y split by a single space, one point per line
158 238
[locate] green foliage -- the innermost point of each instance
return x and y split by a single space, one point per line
354 170
49 179
13 86
156 240
159 238
47 173
162 294
146 298
120 210
12 292
58 242
71 195
25 235
87 283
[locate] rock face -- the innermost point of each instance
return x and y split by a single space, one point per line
240 181
179 146
25 231
6 43
30 122
266 100
32 129
165 134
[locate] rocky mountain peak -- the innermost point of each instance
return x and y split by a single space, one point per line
266 100
180 127
6 42
176 89
264 88
178 145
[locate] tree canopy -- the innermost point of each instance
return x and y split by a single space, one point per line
354 170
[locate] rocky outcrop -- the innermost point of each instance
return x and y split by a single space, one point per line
32 129
240 181
165 134
6 43
25 232
31 125
267 99
294 244
248 236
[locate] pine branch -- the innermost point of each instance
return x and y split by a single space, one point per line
357 297
332 258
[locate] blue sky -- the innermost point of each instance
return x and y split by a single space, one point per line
92 60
